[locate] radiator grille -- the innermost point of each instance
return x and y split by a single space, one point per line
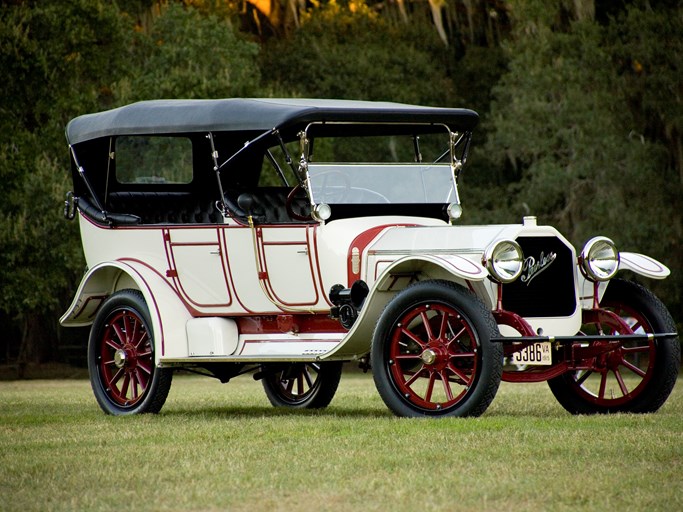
546 287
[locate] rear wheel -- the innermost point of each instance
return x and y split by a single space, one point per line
630 376
123 374
303 385
432 353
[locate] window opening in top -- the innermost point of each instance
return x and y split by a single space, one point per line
153 160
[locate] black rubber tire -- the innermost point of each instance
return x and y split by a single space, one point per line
478 373
134 385
315 383
660 375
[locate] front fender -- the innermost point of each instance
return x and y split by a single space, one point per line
394 278
168 313
643 265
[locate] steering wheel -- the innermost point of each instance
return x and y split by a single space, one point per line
372 194
288 204
334 193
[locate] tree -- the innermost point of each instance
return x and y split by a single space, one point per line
347 56
187 54
60 57
575 144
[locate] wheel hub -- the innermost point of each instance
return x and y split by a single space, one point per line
429 356
120 358
615 358
435 356
125 357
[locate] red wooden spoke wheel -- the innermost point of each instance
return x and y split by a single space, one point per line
432 354
622 376
123 374
302 385
126 357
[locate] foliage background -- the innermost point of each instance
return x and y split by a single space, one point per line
580 103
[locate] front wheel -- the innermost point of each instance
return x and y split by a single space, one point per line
123 373
628 376
432 353
302 385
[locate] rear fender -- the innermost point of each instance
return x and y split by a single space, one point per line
167 311
397 276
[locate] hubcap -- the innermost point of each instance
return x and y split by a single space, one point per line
428 356
120 358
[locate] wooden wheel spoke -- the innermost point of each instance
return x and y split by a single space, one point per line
455 337
583 377
462 355
430 387
407 356
620 380
135 381
112 344
145 367
124 386
116 378
428 327
120 334
142 379
633 368
140 337
444 327
460 374
145 355
289 385
128 327
603 385
307 376
446 385
413 337
414 377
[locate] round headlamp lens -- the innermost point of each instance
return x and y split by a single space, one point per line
454 211
599 259
504 260
321 212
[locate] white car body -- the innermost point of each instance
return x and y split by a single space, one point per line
240 289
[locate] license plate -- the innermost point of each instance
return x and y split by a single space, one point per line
534 354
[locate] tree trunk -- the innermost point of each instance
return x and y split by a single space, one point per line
38 341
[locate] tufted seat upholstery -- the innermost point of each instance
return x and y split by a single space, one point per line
269 207
165 207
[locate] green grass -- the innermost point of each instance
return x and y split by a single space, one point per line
223 447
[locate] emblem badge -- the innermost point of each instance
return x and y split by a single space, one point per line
532 267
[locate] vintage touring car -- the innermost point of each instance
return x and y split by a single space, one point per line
284 237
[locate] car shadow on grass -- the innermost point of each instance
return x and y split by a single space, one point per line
242 412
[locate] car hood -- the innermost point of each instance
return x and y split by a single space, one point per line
440 239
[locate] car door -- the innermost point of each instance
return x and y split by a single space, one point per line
289 265
196 267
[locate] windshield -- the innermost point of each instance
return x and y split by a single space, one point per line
381 183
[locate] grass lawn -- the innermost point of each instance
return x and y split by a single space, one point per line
223 447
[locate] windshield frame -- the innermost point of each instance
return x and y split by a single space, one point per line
455 140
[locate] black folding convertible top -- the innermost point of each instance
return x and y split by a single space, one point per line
260 115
